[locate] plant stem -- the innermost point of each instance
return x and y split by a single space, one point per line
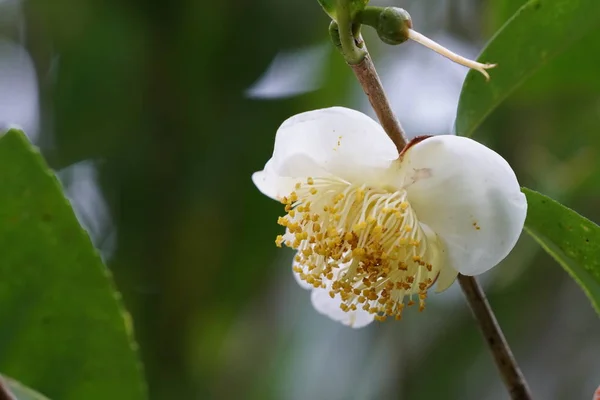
369 80
352 53
505 361
346 37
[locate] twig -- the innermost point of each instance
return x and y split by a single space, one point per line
369 80
346 36
505 361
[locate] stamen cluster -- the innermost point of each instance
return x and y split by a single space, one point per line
361 243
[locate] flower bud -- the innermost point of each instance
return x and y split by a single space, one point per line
393 25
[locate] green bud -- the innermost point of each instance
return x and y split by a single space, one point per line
391 23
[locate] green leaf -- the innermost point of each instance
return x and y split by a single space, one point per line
538 32
329 7
572 240
573 71
22 392
354 6
63 328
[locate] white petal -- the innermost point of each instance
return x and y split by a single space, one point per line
446 278
332 141
325 305
469 196
266 181
272 185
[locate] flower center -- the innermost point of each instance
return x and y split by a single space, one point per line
361 243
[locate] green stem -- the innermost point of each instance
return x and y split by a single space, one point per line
369 16
352 53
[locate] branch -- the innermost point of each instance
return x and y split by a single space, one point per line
505 361
369 80
346 36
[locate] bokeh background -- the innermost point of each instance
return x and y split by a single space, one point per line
155 114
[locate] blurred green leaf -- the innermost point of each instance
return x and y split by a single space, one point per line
538 31
329 7
572 240
64 330
22 392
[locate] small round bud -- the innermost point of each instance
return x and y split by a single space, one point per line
393 25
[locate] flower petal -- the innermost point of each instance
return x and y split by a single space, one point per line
445 279
332 141
469 196
325 305
272 185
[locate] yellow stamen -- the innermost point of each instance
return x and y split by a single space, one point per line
364 243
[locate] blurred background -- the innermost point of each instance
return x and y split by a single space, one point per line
155 114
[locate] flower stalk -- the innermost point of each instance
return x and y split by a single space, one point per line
369 81
368 78
505 361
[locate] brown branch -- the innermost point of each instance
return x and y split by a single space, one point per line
505 361
369 80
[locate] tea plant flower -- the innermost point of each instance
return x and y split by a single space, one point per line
374 230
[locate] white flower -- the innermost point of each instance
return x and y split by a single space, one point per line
374 229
